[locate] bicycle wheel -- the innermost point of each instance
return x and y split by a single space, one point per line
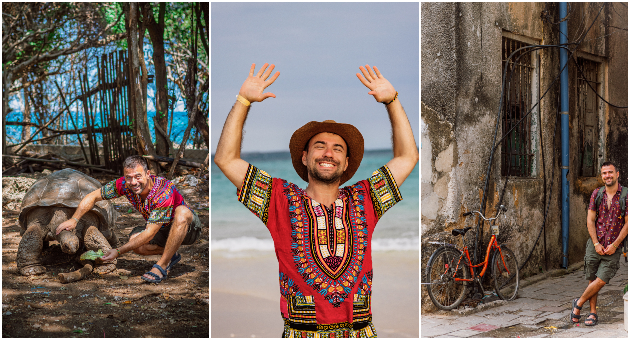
444 291
505 273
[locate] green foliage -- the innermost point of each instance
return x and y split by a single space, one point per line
111 15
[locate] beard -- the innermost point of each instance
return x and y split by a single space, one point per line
612 183
137 190
329 178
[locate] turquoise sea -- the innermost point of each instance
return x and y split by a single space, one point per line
236 229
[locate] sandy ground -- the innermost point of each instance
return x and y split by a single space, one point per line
117 304
245 295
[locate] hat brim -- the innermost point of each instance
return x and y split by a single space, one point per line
349 133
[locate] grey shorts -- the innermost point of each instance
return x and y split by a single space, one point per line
602 266
194 228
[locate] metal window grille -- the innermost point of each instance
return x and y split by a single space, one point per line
587 117
516 151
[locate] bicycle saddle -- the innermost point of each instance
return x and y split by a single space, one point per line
462 232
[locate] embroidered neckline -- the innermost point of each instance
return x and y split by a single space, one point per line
315 256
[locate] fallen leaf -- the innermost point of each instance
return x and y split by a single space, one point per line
122 277
550 327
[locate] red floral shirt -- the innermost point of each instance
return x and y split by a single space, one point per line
324 253
159 206
609 221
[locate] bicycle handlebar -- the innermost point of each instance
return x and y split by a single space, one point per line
502 208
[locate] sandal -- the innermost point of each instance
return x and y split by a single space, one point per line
157 278
593 322
176 258
573 316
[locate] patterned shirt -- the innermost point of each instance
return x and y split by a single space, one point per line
159 206
609 221
324 253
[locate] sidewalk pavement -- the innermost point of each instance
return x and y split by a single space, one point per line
541 310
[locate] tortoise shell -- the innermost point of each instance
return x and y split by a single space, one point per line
66 188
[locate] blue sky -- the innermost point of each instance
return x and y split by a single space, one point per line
318 48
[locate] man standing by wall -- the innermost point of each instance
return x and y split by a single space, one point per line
607 223
322 235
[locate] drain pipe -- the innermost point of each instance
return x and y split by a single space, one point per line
564 124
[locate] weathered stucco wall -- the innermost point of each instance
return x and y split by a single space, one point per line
461 74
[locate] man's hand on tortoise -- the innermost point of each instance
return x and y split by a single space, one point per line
253 87
381 88
66 225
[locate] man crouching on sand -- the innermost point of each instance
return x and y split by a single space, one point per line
322 235
170 221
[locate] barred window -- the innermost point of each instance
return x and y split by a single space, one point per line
519 95
588 130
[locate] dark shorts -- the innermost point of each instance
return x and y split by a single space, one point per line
602 266
194 228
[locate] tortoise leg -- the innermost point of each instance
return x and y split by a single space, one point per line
67 239
30 250
94 240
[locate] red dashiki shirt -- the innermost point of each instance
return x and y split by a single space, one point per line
324 253
159 206
609 221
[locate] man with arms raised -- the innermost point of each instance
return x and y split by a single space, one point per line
607 223
170 221
322 235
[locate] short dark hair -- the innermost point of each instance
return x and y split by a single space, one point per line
132 161
610 163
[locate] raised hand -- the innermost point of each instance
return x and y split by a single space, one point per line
253 87
381 88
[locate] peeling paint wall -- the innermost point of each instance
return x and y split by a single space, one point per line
461 77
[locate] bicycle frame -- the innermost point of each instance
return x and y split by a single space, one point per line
491 245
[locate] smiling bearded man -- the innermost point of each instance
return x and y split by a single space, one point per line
322 235
170 221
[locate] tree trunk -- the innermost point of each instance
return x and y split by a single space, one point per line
6 85
156 33
201 125
136 85
26 114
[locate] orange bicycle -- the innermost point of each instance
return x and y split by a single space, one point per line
450 271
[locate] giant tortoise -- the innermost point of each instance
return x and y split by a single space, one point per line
52 200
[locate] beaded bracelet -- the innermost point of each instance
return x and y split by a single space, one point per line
396 96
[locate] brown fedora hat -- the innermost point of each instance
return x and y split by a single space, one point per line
349 133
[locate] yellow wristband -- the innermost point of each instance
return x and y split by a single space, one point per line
614 245
243 100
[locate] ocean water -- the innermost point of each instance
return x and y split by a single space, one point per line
235 229
180 123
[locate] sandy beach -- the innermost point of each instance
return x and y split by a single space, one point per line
245 295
